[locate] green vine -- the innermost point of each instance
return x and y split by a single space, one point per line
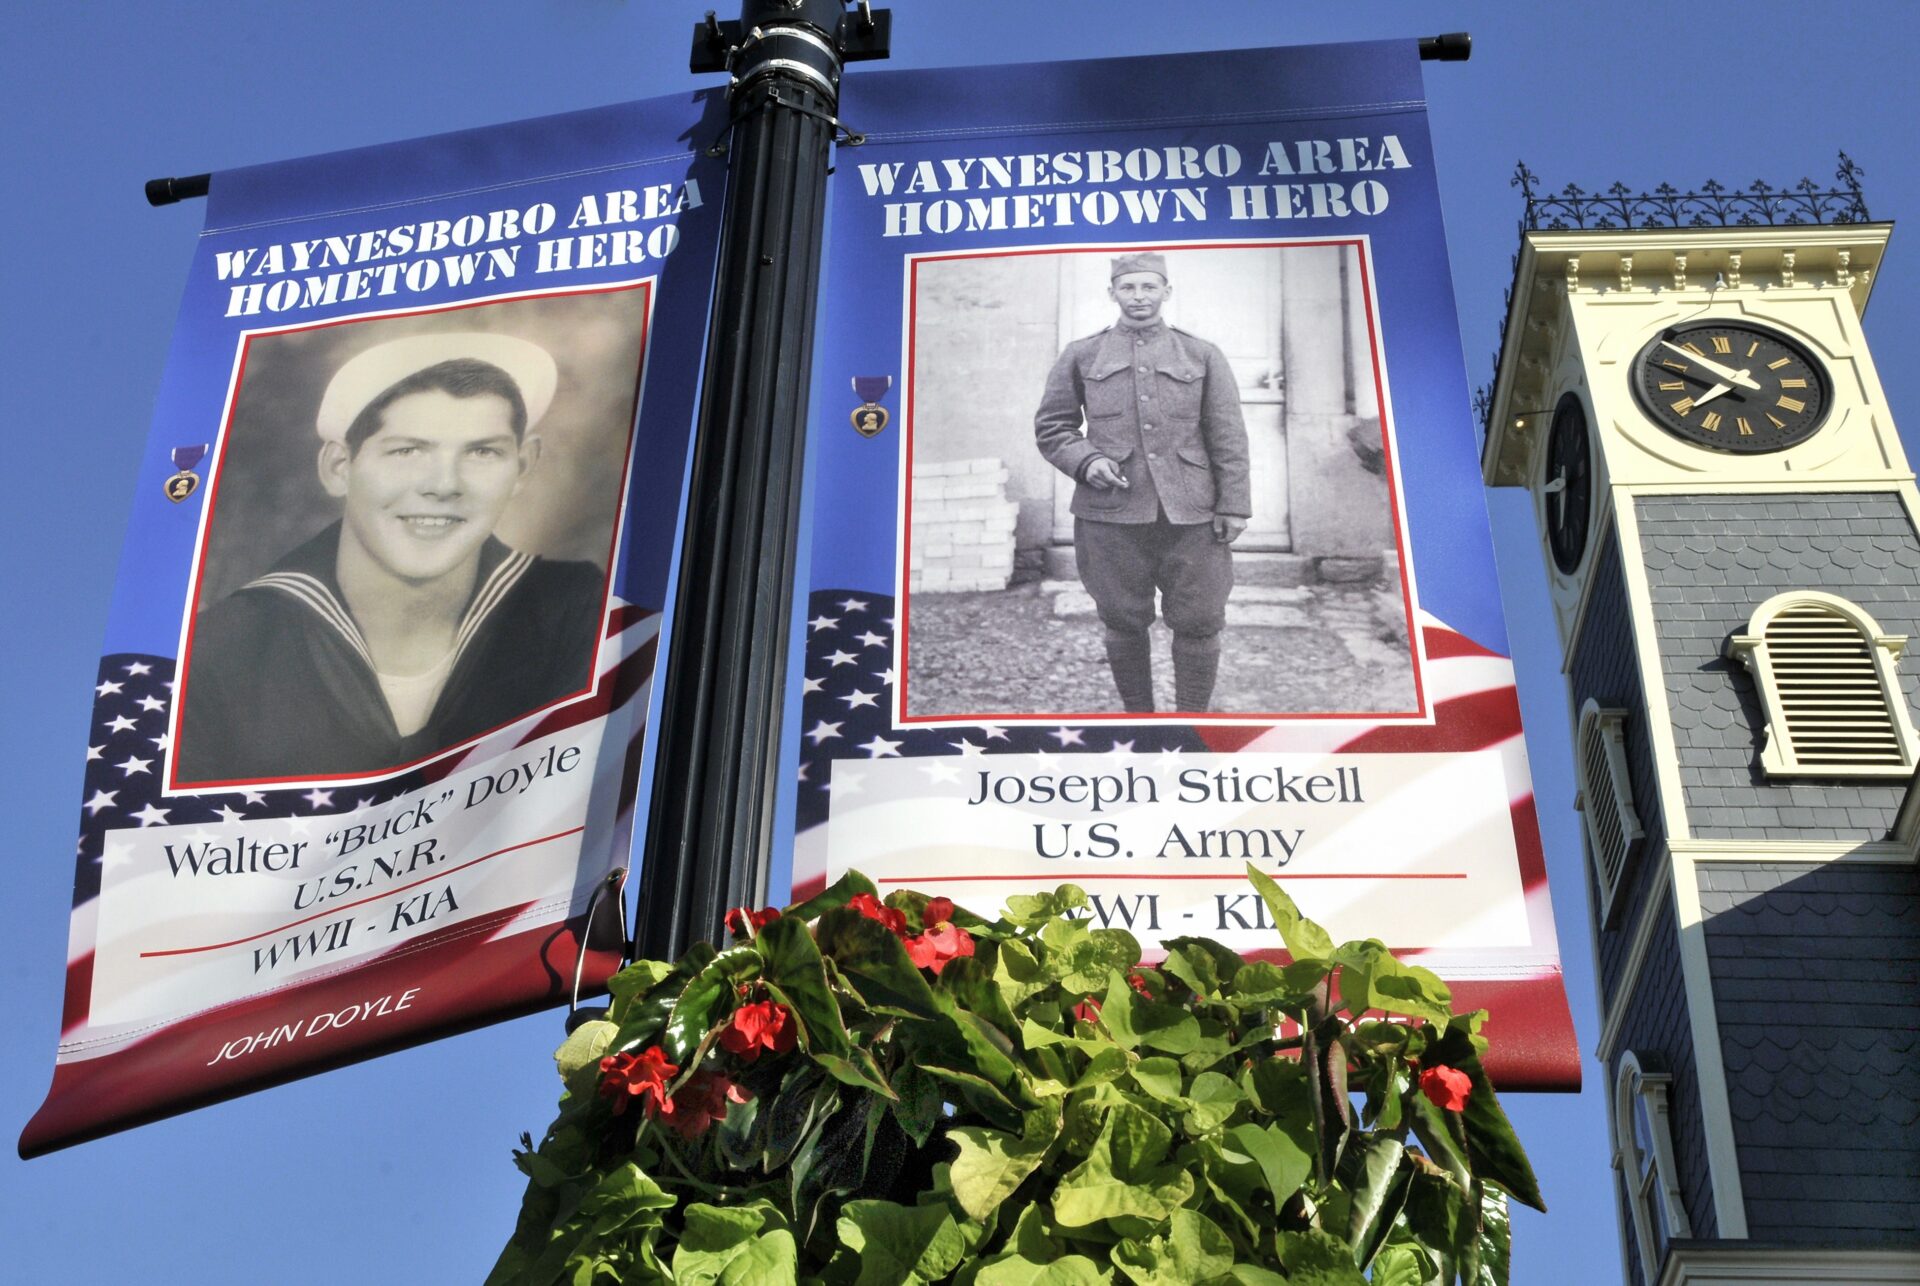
879 1093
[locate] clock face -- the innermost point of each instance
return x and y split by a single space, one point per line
1732 386
1568 486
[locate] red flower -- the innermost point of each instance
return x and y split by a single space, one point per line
1446 1087
752 1028
942 942
1139 984
703 1100
870 906
624 1077
1087 1010
742 921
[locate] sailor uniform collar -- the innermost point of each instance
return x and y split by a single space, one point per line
307 577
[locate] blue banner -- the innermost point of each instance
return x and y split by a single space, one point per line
1146 529
370 729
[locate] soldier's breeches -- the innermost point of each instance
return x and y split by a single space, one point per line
1123 564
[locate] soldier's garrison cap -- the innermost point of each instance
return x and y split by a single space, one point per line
367 375
1145 261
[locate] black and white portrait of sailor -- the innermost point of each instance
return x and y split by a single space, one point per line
407 626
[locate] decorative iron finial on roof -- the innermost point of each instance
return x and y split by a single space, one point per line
1714 204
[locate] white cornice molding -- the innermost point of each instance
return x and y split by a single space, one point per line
1885 851
1750 1265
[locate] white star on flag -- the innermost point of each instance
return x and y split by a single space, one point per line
967 749
94 752
228 814
995 732
106 689
163 742
151 703
939 769
318 798
139 668
101 799
819 623
885 676
870 639
253 798
841 658
844 781
120 723
151 816
881 748
809 685
1167 760
857 698
822 731
1120 748
853 604
133 765
1067 737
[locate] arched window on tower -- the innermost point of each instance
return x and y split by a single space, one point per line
1606 799
1829 685
1643 1154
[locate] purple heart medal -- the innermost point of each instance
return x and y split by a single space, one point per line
186 482
870 417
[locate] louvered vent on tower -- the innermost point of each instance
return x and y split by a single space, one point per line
1828 681
1606 798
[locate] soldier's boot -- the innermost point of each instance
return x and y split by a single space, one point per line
1196 664
1131 656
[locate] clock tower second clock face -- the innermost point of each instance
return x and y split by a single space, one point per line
1731 386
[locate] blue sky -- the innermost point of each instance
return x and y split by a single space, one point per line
398 1169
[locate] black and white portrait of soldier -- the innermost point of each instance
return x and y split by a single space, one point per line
1145 418
407 624
1149 481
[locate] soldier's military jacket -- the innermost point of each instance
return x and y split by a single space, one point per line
1164 407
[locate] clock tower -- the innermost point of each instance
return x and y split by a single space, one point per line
1731 531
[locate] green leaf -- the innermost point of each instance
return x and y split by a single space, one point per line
970 982
769 1260
1019 974
1251 1275
1315 1259
1123 1174
874 964
584 1047
636 980
1204 965
1135 1021
1018 1270
1430 1127
1436 1214
840 893
712 1239
1492 1146
1193 1251
1305 940
1284 1161
1159 1077
1373 1175
1403 1265
797 977
1211 1100
991 1164
918 1110
1496 1242
707 992
1260 983
901 1245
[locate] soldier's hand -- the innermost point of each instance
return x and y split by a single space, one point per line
1105 474
1226 529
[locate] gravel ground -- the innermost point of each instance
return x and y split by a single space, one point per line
1006 653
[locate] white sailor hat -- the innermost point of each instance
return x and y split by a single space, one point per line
369 374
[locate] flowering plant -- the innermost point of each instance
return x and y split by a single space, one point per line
877 1091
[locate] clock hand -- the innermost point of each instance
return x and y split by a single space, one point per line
1714 392
1739 379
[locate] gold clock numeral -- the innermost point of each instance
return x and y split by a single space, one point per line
1683 406
1778 423
1793 383
1753 348
1721 344
1774 366
1695 349
1746 430
1793 404
1712 421
1672 365
1672 386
